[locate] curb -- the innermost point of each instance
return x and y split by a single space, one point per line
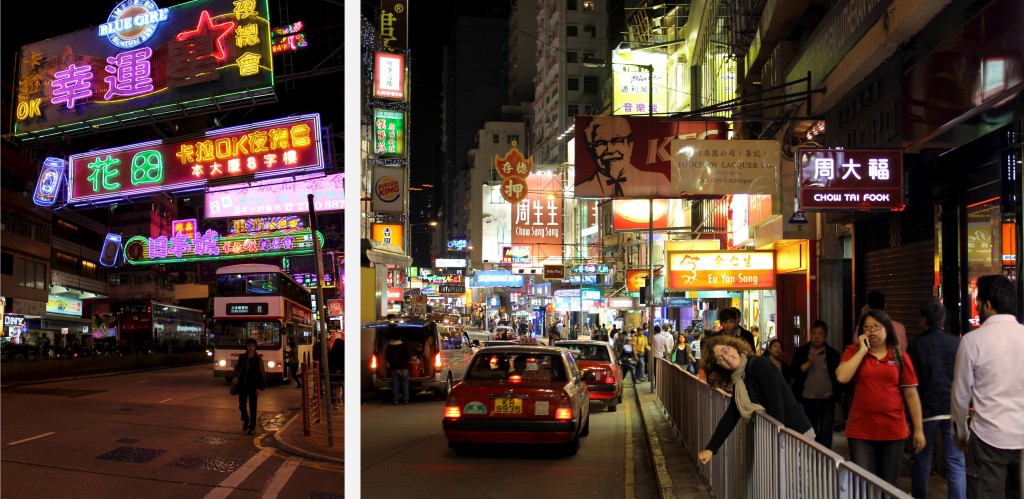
661 475
280 443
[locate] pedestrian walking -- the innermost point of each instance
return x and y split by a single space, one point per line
934 356
757 386
988 377
641 347
292 363
628 359
774 353
336 364
397 356
814 381
876 301
884 383
730 321
660 346
250 376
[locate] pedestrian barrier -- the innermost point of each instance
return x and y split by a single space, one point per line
763 459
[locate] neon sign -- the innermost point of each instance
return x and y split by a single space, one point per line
267 149
210 245
388 132
50 179
850 179
132 22
268 224
389 76
207 55
278 196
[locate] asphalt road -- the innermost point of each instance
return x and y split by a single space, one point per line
173 433
405 454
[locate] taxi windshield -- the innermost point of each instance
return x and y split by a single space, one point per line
588 352
515 366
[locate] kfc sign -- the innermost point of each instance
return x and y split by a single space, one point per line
851 179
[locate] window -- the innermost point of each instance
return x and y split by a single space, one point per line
512 138
7 264
495 139
570 5
590 84
573 109
573 83
572 30
88 269
589 5
572 57
30 274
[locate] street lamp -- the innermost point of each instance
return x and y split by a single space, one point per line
592 62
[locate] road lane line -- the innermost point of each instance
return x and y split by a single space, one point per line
32 438
280 479
629 451
166 400
225 488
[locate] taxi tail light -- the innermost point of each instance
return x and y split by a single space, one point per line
437 360
515 378
564 411
373 362
452 410
609 379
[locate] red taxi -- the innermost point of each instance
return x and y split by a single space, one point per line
601 370
520 395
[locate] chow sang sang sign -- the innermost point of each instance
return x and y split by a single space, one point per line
260 150
851 179
145 62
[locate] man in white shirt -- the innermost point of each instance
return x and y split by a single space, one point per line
659 345
988 377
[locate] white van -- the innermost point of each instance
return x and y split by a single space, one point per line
440 353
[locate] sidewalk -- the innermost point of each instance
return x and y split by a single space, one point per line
292 439
675 471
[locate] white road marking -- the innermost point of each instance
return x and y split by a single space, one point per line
225 488
33 438
630 467
280 479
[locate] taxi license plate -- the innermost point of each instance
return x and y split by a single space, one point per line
508 406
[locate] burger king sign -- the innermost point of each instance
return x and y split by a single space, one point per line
387 189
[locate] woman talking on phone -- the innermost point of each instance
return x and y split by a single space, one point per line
883 379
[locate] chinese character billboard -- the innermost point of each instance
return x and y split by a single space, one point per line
850 179
728 270
632 93
631 156
389 133
260 150
210 245
389 233
145 62
277 196
726 167
389 76
537 219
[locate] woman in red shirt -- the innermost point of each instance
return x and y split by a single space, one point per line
877 426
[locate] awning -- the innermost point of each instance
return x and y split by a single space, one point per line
386 254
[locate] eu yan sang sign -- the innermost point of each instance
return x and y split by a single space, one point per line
729 270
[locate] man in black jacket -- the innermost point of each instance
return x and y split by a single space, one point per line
730 320
814 382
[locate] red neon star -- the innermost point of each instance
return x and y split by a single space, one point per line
206 25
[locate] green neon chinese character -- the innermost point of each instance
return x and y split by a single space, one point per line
103 171
147 168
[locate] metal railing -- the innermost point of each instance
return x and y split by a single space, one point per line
763 459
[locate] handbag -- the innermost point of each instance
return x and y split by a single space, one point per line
234 386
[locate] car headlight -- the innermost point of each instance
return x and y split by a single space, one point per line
222 363
271 364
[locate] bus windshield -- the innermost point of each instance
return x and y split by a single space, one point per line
233 333
247 284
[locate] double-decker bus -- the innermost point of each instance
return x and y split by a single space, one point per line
260 302
160 326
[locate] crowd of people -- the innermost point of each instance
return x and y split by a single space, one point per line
892 397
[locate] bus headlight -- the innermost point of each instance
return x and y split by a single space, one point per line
271 364
222 363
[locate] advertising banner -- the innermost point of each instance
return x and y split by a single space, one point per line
388 190
632 94
850 179
537 219
64 306
554 272
393 26
496 278
261 150
726 270
389 76
635 278
210 246
631 156
715 167
277 196
389 133
632 214
621 303
145 63
497 223
389 233
515 254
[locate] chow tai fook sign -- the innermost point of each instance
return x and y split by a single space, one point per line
631 156
851 179
145 62
260 150
210 245
277 196
389 133
389 76
728 270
